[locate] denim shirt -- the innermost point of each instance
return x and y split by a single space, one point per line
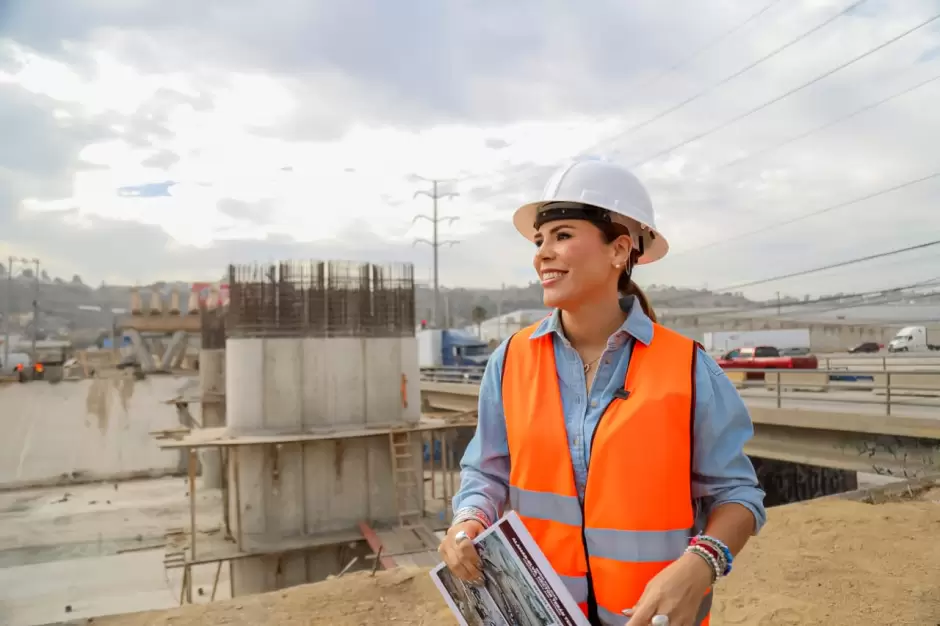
722 473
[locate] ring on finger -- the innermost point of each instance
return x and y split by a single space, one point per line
460 536
660 620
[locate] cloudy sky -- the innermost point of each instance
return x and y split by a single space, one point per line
163 139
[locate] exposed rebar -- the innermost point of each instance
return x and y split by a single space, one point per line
321 299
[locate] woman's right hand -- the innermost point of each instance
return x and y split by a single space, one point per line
461 557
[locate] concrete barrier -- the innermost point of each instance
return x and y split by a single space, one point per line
790 380
908 384
86 430
798 380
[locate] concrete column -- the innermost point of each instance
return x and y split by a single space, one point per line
212 383
291 490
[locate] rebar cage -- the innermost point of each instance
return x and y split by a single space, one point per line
321 299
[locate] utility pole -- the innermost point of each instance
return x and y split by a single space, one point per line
7 311
434 242
33 354
11 261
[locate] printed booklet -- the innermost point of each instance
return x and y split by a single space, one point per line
520 588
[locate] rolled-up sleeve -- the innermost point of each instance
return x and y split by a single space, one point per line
484 469
722 472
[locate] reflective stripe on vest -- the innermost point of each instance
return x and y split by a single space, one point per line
637 515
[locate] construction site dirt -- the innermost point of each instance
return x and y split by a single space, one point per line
825 562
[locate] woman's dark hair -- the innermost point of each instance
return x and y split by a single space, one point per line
625 284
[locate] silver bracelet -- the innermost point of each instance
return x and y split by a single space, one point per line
471 513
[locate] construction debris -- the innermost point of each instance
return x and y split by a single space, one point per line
834 562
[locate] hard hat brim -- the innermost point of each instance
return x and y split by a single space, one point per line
523 219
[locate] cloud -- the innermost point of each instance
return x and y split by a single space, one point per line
253 212
312 131
161 159
59 236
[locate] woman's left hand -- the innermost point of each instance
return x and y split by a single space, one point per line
676 592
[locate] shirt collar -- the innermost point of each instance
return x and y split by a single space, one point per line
637 325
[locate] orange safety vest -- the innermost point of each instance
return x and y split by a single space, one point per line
637 514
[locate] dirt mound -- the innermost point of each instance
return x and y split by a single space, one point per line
830 563
400 596
838 563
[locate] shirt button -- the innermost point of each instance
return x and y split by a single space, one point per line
594 404
607 361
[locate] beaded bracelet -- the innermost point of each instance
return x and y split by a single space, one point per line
723 555
471 514
709 558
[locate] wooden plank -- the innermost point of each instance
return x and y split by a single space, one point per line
209 437
375 543
413 546
214 547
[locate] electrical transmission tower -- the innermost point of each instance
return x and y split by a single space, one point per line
435 194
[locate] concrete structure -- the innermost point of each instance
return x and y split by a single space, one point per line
831 432
212 403
86 430
349 363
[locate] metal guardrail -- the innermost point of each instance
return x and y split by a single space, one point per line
791 388
899 361
472 374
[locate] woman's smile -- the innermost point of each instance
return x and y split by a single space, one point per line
551 277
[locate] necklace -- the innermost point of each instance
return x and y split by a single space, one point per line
587 366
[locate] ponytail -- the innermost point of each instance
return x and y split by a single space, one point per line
632 289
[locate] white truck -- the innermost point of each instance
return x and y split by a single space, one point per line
725 340
912 339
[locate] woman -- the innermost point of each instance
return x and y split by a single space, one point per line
632 480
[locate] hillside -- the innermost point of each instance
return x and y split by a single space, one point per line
71 305
460 302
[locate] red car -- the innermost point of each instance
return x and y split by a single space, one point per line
766 358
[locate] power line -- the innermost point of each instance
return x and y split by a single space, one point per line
804 216
823 268
786 94
824 299
758 306
804 135
674 67
434 242
897 297
711 44
731 77
686 60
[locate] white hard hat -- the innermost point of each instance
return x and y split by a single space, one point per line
607 186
